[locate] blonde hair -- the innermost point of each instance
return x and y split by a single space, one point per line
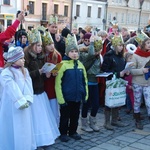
8 65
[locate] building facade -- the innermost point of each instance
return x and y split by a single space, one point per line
91 12
7 13
132 14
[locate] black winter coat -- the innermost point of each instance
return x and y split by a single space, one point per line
113 63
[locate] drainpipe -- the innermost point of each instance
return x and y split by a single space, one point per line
71 19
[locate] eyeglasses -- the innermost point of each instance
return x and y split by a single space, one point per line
87 40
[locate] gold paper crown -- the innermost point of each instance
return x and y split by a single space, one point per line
141 37
34 36
75 26
98 44
41 28
71 43
47 39
114 24
53 19
117 40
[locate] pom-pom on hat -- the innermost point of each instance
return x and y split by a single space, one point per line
117 40
71 43
34 36
14 54
53 20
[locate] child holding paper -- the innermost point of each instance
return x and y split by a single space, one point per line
51 56
44 123
129 89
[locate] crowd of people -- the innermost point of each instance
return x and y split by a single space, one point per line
38 106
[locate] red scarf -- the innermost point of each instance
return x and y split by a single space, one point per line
142 53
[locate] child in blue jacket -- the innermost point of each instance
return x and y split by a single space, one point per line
71 89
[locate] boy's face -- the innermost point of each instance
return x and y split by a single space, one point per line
73 54
52 28
24 39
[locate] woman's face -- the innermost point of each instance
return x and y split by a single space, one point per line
49 48
37 48
147 46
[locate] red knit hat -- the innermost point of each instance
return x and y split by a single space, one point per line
87 35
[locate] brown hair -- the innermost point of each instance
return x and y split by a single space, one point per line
54 55
143 43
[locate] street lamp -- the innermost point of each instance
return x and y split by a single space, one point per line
141 3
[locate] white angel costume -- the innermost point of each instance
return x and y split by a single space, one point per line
16 129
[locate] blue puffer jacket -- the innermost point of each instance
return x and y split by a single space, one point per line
71 82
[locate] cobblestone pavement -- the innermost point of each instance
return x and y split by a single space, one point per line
122 138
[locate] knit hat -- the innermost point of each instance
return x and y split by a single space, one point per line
87 35
71 43
14 54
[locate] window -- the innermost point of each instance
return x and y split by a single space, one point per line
44 11
122 18
89 11
66 11
99 12
55 8
9 22
7 2
77 10
31 5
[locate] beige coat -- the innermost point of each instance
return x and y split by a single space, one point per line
137 70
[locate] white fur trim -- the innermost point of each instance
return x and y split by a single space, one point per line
131 48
